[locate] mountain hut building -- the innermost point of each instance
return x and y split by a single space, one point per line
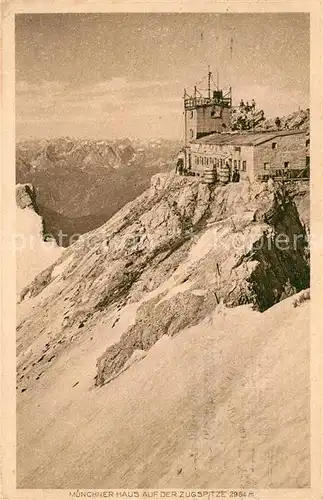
214 152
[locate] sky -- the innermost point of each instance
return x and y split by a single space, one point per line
123 75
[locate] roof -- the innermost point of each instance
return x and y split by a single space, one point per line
246 138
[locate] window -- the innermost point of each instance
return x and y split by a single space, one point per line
237 148
286 164
191 114
235 163
239 164
244 166
307 142
274 145
266 166
191 133
197 160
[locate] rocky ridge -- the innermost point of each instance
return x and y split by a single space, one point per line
26 197
177 252
242 120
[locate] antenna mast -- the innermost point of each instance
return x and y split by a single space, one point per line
185 125
209 84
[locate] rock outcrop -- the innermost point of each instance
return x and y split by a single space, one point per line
178 251
144 342
26 197
299 120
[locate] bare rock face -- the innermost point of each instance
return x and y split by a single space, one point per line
179 250
256 256
298 120
26 196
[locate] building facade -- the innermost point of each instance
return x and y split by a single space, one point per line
205 116
212 147
256 156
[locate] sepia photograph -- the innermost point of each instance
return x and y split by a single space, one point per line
162 241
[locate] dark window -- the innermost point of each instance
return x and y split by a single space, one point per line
307 142
239 164
191 133
286 164
235 163
266 165
237 148
244 165
274 145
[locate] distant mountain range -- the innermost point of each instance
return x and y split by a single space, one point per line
81 183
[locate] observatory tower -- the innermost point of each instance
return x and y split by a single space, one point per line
206 114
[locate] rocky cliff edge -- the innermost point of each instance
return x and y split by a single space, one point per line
177 252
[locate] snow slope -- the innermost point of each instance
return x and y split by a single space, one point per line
131 371
32 253
223 404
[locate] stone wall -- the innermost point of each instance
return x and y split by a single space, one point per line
290 148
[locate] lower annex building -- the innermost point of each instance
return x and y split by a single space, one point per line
254 156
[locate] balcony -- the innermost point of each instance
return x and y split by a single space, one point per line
194 102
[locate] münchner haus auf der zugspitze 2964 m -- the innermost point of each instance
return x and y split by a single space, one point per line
225 143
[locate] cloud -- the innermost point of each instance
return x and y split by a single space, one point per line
117 98
126 105
42 87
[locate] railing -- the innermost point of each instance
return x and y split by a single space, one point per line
193 102
289 176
